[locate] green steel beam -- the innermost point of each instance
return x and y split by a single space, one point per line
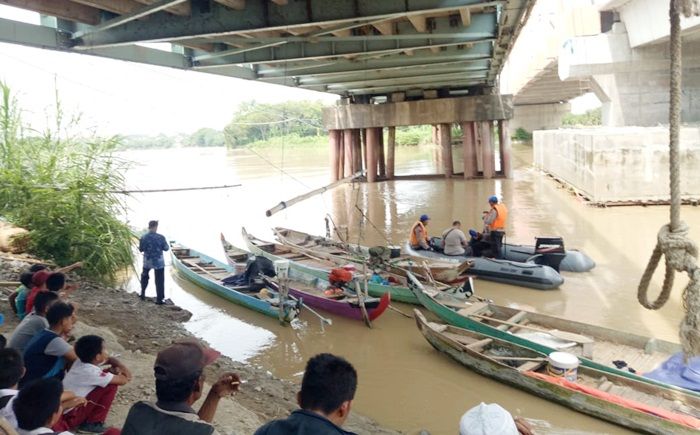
382 90
291 53
222 21
477 52
433 78
381 75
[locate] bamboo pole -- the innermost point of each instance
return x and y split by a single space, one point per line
284 204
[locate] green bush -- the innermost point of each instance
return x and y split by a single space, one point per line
522 135
590 118
63 189
414 135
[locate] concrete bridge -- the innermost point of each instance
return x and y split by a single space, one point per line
393 62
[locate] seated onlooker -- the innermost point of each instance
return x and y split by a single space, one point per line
18 299
486 419
11 371
48 353
38 285
86 379
34 323
179 384
327 390
38 407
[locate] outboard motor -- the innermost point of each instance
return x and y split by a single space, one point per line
549 251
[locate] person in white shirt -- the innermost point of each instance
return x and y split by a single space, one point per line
453 240
37 407
87 379
11 371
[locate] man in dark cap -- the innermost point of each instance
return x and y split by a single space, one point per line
179 373
153 245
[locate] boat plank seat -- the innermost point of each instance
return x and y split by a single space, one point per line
515 318
479 345
462 339
474 308
530 366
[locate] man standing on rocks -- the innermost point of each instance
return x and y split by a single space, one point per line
327 391
179 373
153 245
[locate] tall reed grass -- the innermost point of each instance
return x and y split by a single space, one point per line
60 185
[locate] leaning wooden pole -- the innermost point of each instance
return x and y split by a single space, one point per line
285 204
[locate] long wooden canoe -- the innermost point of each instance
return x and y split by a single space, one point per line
397 287
606 345
310 289
208 273
442 271
627 402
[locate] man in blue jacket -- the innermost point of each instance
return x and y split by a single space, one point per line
153 245
326 395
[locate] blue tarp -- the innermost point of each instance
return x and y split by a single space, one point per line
674 371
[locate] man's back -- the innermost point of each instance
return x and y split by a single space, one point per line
152 245
302 422
146 418
26 330
454 241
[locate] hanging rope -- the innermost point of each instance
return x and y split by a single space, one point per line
680 252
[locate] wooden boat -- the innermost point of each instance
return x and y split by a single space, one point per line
627 402
441 271
530 275
310 289
595 346
397 285
208 273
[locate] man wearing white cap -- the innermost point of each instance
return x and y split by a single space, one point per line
491 419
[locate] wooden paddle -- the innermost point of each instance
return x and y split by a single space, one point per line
563 335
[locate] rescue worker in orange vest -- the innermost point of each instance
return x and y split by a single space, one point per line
419 235
495 225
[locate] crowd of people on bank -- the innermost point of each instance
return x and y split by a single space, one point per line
454 242
52 382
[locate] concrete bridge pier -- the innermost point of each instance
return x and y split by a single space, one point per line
363 127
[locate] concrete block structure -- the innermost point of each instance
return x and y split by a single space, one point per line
621 164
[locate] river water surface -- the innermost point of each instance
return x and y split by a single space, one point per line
403 382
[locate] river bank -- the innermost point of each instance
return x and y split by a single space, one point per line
137 330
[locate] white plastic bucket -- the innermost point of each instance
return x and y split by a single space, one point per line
563 365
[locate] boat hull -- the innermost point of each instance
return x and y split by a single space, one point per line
397 293
502 271
454 318
581 402
574 260
227 293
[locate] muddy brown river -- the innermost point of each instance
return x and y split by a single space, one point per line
403 382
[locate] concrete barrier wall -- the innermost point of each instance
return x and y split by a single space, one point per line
619 164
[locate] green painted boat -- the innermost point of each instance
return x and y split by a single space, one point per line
626 402
208 273
605 345
320 267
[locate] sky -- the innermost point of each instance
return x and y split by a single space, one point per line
117 97
127 98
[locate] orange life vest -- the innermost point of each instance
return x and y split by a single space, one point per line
413 240
502 214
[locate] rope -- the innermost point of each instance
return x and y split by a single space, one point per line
680 252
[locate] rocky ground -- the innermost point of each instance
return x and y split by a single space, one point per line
137 330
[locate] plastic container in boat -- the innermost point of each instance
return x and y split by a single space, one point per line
563 365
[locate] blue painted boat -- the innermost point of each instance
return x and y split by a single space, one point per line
208 273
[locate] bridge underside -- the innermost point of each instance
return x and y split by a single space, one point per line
354 48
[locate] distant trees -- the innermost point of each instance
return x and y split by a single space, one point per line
591 117
254 122
205 137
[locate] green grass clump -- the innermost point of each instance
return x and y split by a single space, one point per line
64 189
